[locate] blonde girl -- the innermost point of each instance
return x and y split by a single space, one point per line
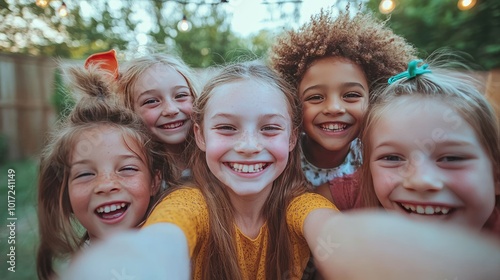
334 61
161 89
99 173
248 215
432 148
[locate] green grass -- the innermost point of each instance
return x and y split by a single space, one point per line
26 236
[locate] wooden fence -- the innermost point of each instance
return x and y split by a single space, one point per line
26 112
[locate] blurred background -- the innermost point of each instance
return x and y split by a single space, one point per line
35 35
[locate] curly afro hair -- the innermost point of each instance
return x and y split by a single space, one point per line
362 39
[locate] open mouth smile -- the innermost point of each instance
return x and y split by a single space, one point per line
112 211
426 209
247 168
334 127
172 125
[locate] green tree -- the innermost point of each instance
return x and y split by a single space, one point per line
431 25
98 25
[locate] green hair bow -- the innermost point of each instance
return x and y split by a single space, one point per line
412 72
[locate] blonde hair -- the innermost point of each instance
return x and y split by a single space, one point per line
134 69
458 90
288 185
60 233
361 39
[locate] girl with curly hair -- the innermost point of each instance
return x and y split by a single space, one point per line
334 63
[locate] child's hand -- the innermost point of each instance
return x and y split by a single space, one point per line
155 252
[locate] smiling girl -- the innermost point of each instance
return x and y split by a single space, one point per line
432 149
100 171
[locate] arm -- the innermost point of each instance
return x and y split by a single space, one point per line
159 251
375 245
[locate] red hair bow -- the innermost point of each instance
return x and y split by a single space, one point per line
106 61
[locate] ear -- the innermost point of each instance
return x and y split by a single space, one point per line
293 139
156 184
198 136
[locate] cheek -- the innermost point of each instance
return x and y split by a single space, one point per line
149 116
186 108
79 198
358 110
383 182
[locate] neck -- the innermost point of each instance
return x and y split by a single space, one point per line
248 212
321 157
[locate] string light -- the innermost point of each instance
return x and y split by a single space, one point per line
42 3
466 4
184 25
63 10
386 6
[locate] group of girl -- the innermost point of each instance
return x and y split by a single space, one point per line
216 178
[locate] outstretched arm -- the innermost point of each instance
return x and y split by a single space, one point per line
376 245
158 251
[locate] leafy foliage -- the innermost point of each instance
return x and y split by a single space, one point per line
98 25
431 25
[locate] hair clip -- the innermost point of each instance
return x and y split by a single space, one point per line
106 61
412 72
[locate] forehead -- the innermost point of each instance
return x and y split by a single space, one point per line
334 70
158 74
114 140
418 117
247 94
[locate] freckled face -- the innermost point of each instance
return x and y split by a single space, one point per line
110 184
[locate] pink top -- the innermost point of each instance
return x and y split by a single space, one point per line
346 191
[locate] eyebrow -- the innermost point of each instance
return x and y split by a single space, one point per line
265 116
446 143
173 88
343 85
121 157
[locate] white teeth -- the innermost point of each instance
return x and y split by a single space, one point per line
173 125
427 209
334 127
112 207
247 168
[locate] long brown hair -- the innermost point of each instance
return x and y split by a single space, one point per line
60 233
289 184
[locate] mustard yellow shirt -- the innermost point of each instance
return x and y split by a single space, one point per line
187 209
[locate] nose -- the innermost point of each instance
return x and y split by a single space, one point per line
169 109
334 106
106 183
248 143
423 176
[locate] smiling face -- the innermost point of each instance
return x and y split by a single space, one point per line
110 184
334 94
428 163
163 99
246 136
